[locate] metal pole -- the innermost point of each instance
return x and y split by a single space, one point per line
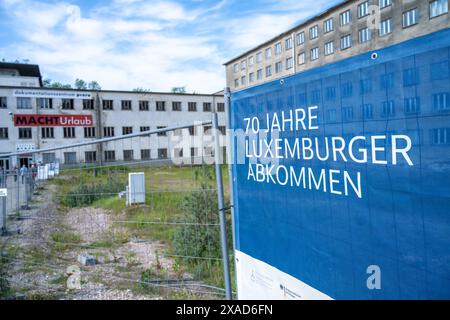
221 202
230 152
3 208
16 174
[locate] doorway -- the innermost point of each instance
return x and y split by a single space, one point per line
25 161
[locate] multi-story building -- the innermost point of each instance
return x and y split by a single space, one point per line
108 114
350 28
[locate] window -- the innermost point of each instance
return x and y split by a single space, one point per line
268 71
302 58
44 103
161 133
259 74
108 132
128 155
162 153
412 105
300 38
89 132
440 136
126 105
387 81
49 157
329 48
144 105
144 128
364 35
178 152
236 83
347 113
251 61
70 157
314 54
236 68
411 77
243 64
367 111
176 106
278 49
289 63
288 44
365 86
192 106
346 42
127 130
330 93
67 104
207 107
259 57
90 156
3 133
438 8
69 132
194 152
160 106
110 156
388 108
108 105
251 77
3 103
385 27
278 67
47 133
384 3
345 17
410 18
441 101
268 53
88 104
192 131
328 25
220 107
313 32
347 90
363 9
331 115
243 80
23 103
207 130
145 154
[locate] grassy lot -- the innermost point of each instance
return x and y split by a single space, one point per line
174 196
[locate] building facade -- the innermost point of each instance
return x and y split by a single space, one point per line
65 117
345 30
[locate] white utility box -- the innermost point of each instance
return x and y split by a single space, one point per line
136 188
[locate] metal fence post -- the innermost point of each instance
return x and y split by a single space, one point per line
221 202
3 206
16 175
230 158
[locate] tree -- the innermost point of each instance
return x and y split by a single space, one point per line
93 85
80 84
141 90
178 90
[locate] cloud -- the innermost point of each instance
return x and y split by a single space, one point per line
124 44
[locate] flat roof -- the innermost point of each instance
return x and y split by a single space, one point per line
288 32
25 70
114 91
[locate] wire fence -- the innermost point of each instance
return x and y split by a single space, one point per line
86 230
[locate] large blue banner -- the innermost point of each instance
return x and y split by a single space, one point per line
342 178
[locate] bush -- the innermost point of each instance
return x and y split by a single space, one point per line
200 236
85 194
4 283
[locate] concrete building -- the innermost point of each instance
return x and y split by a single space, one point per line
59 118
350 28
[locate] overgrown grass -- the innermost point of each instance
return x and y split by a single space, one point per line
179 201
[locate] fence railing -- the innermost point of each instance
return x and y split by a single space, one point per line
73 235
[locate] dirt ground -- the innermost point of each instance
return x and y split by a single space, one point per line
43 256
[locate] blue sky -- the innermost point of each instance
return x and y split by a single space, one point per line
124 44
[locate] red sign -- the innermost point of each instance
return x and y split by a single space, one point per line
52 120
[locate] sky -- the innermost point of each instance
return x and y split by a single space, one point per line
155 45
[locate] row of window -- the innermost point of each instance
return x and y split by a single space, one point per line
409 18
128 155
144 105
411 76
91 132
